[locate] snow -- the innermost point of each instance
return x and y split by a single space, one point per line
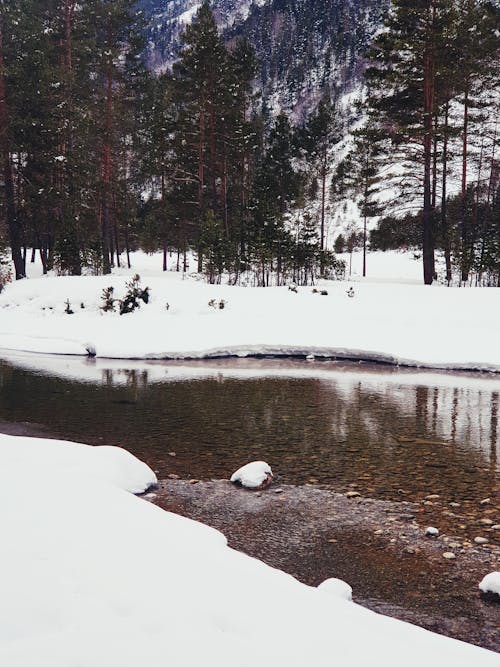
112 465
252 475
490 583
336 587
397 322
93 575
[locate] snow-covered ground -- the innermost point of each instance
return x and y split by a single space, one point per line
92 576
392 318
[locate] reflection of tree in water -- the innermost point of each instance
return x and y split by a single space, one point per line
494 431
379 435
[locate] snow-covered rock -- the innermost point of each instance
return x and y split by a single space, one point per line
491 583
431 531
254 475
336 587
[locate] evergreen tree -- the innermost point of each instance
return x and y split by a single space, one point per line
320 134
200 80
364 178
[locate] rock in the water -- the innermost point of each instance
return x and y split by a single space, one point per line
336 587
255 475
490 586
90 349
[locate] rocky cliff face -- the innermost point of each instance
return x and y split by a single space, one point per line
304 47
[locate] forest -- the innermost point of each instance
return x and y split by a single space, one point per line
102 155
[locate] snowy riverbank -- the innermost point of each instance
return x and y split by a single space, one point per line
398 322
97 577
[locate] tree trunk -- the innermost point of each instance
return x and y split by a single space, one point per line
13 224
127 246
323 196
105 227
427 215
201 141
463 193
444 220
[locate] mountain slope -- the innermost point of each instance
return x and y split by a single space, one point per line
305 47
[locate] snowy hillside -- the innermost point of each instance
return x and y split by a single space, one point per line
305 47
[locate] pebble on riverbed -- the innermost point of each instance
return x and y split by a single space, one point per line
430 531
449 555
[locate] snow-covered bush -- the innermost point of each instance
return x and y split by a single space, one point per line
134 295
217 305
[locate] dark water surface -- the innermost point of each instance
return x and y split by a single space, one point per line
387 433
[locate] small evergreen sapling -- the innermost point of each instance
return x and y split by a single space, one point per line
68 310
134 295
108 300
220 305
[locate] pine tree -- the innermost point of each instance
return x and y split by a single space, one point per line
434 54
365 178
199 77
402 95
320 134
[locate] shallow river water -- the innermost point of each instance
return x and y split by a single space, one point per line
388 434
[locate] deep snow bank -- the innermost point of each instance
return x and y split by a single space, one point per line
95 577
395 323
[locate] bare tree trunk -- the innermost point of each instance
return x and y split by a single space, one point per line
463 209
323 195
13 224
444 219
107 168
127 246
491 180
427 215
201 141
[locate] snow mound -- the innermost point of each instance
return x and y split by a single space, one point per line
113 465
253 475
490 583
93 576
337 588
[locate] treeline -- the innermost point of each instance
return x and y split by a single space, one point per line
432 108
100 156
71 82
